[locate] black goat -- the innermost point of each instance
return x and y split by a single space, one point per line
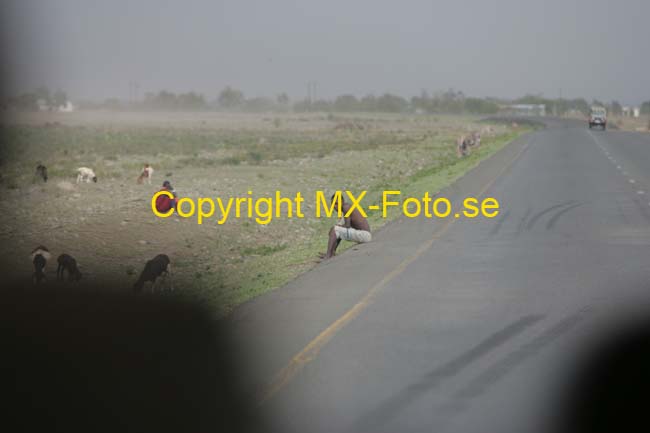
154 268
41 171
69 264
39 256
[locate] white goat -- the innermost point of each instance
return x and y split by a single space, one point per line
147 173
86 174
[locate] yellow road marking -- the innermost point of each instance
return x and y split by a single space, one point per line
311 350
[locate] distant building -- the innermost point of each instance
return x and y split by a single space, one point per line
67 108
42 105
527 109
631 112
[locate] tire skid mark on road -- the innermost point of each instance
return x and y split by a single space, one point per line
518 356
535 218
554 218
394 404
460 401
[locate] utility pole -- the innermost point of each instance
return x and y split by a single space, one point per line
311 91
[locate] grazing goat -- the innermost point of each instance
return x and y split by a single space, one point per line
476 139
465 142
462 146
41 171
40 255
69 264
86 174
147 173
487 130
154 268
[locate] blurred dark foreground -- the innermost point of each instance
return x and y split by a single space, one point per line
94 361
89 360
609 389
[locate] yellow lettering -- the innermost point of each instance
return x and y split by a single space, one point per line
202 214
490 203
153 204
264 217
470 204
179 207
386 203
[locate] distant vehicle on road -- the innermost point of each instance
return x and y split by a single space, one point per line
598 117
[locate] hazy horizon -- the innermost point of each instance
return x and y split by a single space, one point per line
93 50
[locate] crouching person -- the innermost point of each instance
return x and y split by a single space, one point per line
164 202
354 228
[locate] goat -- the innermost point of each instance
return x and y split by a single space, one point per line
40 255
465 142
69 264
86 174
487 130
462 146
154 268
476 139
41 171
147 173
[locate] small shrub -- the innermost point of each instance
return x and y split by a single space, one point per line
231 160
255 157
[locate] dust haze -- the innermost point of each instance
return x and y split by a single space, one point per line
95 50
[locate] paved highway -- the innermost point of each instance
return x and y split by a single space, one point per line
462 325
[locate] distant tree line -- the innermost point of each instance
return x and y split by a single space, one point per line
451 101
40 98
161 101
454 102
386 103
169 101
231 99
645 107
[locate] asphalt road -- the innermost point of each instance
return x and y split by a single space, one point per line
463 325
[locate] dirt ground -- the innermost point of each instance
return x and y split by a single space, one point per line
110 228
637 124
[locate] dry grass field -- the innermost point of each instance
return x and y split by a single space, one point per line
110 228
637 124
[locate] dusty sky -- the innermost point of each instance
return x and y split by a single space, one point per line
505 48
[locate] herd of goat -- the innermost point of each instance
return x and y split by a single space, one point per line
473 140
85 174
155 270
